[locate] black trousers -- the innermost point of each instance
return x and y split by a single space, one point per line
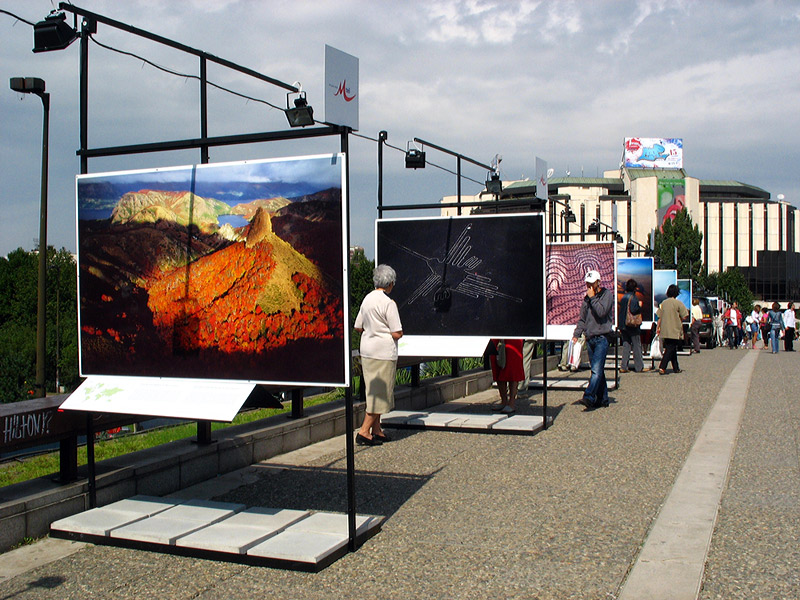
788 339
670 354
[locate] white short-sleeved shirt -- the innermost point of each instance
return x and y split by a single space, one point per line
378 317
697 312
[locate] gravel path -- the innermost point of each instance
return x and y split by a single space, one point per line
561 514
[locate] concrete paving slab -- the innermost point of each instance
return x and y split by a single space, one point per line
166 527
400 417
101 521
240 532
299 546
529 423
333 523
433 420
477 421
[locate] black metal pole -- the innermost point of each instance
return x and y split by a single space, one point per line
84 101
349 412
458 187
382 137
41 308
203 109
544 381
90 464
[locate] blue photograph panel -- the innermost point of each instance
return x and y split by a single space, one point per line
640 269
467 276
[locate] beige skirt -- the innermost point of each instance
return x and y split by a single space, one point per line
379 381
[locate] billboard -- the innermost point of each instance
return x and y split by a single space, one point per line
640 269
653 153
471 276
567 265
230 271
671 199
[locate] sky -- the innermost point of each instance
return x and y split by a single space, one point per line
564 81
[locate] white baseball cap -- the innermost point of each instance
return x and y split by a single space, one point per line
592 276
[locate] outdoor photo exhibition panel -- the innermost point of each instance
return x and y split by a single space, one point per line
470 277
662 279
567 265
685 292
640 269
232 271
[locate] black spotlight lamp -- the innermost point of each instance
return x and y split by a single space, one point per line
629 247
593 227
53 33
618 238
569 216
415 158
302 114
493 184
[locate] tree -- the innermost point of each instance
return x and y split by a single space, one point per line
680 233
732 285
18 306
360 285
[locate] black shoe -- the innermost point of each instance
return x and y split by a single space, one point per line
364 441
382 438
588 404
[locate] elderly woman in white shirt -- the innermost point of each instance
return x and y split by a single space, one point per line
378 321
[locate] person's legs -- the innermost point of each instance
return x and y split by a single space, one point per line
528 347
626 349
774 337
502 387
696 336
512 395
788 339
367 426
638 362
597 391
670 354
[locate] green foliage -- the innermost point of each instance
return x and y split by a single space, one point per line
360 285
18 307
731 285
680 233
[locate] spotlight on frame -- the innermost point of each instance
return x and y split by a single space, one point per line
301 114
53 33
415 157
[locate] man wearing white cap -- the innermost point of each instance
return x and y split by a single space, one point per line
595 322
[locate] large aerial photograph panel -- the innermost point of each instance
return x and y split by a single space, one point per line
221 271
467 276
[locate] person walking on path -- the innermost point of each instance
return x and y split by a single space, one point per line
765 326
378 322
732 318
631 334
694 328
670 327
595 322
754 324
789 322
775 319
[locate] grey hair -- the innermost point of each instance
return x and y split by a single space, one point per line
383 276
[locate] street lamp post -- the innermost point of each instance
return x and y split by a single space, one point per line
34 85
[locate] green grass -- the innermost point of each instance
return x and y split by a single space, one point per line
48 464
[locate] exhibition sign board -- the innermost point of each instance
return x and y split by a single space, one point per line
671 199
471 276
662 279
653 153
640 269
231 271
566 267
341 88
685 292
160 397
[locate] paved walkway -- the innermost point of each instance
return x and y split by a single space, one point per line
563 514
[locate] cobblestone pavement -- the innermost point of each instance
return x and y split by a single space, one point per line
561 514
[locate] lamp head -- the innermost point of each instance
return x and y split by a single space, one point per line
493 184
302 114
27 85
53 33
415 158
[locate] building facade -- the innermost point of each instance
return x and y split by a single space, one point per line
742 225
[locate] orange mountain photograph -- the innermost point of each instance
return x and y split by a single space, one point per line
229 271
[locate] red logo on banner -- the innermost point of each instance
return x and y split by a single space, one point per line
343 92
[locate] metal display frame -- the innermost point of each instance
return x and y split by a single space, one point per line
203 143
